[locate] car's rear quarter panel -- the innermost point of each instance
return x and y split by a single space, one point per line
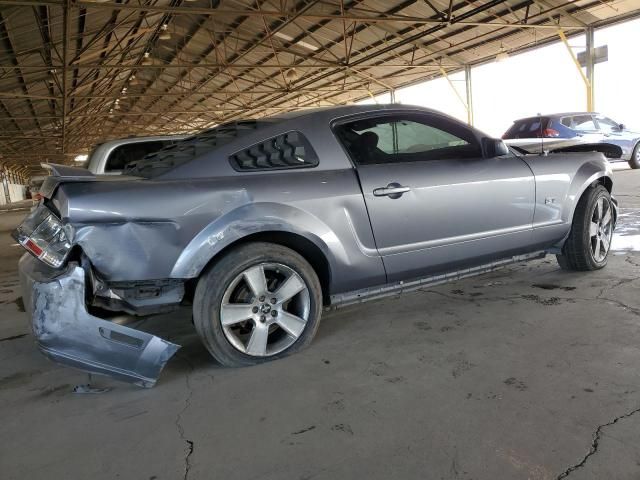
173 228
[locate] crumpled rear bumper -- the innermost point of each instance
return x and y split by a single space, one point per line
68 334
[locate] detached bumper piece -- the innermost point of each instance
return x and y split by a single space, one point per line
68 334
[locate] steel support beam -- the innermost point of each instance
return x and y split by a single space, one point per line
590 69
585 79
469 92
5 185
455 90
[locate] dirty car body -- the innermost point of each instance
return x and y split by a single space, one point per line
354 190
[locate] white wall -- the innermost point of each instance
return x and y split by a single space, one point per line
16 193
543 81
616 84
438 94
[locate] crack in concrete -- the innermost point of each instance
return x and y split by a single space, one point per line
629 260
595 443
187 404
14 337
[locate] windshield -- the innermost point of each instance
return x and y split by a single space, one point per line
162 161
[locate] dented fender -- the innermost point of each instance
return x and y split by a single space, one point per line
255 218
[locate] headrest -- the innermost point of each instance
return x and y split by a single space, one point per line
368 140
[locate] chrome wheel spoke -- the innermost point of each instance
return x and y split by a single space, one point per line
606 219
291 324
258 341
596 250
290 288
256 280
233 313
598 210
593 229
605 244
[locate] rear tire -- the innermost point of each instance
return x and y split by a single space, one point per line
587 247
634 162
242 314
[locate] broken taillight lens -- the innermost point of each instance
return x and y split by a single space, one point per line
44 236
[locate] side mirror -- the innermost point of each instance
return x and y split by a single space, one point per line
494 147
622 126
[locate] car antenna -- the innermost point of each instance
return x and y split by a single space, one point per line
542 152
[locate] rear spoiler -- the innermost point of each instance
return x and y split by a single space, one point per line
65 171
60 174
608 149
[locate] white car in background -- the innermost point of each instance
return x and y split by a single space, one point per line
109 158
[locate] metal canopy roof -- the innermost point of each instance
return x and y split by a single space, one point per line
75 72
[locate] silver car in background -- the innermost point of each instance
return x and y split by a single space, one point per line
258 225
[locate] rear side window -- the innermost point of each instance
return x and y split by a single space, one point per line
286 151
527 128
131 152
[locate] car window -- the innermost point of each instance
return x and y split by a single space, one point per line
607 125
186 150
582 123
392 139
131 152
286 151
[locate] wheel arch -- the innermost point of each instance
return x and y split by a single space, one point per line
296 242
594 172
265 222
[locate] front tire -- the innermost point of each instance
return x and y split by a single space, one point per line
259 302
634 162
587 247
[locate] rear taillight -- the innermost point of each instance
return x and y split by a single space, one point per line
550 132
43 235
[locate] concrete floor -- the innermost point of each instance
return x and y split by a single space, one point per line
526 373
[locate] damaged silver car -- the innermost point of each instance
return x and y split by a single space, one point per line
257 225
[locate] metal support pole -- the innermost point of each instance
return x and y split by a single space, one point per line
455 90
469 91
585 79
392 95
590 69
65 60
3 177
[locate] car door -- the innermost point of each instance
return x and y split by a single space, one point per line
434 202
612 133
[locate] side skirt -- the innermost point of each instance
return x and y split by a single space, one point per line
366 294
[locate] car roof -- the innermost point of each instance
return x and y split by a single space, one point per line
340 110
125 141
555 115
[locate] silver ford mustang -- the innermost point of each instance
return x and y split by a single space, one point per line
259 224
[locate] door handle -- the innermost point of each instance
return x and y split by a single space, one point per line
393 190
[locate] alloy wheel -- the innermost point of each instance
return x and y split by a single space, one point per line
601 229
265 309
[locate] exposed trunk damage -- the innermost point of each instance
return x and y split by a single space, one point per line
68 334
